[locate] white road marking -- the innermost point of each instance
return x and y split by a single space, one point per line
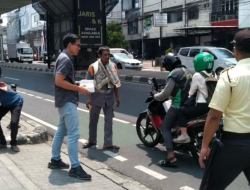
87 111
134 125
23 92
116 156
11 78
39 120
186 188
82 141
150 172
49 100
119 120
122 121
80 109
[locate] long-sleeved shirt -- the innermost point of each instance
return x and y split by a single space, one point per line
166 92
199 84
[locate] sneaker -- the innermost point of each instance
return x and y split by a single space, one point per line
79 173
15 148
182 139
57 164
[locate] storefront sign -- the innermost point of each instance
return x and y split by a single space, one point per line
90 22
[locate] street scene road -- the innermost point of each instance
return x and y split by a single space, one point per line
133 159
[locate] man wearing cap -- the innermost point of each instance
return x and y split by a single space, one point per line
231 98
13 102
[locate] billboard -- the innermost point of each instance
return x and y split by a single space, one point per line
244 14
160 19
90 22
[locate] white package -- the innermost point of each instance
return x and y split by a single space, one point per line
167 105
88 84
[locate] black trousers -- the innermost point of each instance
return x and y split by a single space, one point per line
185 113
15 116
228 162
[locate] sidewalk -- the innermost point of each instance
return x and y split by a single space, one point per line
27 170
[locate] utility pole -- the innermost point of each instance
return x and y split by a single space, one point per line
142 41
160 32
1 36
186 21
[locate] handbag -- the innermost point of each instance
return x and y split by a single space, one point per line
191 101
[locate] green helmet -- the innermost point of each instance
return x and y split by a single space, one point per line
203 61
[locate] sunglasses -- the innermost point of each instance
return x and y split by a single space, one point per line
79 45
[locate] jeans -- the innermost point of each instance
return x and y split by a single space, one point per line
167 123
68 125
15 116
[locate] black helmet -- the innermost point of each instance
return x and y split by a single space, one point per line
170 61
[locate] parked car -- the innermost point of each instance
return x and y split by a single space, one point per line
120 50
123 61
222 57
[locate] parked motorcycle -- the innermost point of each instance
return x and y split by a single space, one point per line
148 125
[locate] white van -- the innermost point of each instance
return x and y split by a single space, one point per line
120 50
222 57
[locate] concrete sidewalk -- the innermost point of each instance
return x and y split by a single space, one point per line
27 170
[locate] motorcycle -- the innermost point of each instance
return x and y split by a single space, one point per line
148 125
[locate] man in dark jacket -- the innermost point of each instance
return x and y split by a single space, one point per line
13 102
177 86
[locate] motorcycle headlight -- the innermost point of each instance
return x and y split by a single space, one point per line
229 64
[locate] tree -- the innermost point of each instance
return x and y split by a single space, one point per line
115 38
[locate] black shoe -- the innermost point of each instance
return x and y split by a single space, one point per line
79 173
57 164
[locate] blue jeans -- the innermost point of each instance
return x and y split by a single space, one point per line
68 125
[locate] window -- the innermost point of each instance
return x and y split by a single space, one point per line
193 12
135 4
184 52
194 52
36 18
132 27
175 16
207 51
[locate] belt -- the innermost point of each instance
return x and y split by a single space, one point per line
104 91
235 136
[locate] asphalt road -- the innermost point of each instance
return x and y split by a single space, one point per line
133 159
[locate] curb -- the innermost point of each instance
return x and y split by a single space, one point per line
82 74
36 136
118 178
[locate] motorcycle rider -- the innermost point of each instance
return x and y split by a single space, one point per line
177 86
203 64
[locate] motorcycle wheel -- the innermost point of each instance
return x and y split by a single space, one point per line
146 132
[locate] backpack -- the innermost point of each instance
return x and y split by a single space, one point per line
211 82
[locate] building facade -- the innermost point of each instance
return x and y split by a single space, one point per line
189 23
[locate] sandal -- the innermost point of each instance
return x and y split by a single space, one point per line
88 145
115 147
168 162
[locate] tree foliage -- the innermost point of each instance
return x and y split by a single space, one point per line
115 38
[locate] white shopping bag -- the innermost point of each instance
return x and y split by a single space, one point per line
88 84
167 105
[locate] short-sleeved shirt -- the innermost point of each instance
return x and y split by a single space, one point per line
235 105
10 98
64 66
97 98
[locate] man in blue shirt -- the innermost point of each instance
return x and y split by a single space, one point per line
13 102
